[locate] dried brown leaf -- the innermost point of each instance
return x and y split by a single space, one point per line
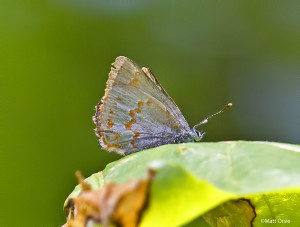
121 204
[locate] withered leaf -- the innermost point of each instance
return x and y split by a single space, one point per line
117 204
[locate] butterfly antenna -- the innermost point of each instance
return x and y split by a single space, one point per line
206 119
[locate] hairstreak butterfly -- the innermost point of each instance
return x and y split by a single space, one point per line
136 113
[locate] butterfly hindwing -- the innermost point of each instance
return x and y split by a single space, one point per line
135 112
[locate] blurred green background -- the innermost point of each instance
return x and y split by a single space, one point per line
56 55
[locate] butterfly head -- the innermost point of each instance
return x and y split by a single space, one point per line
196 135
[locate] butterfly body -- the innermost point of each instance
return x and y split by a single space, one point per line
136 113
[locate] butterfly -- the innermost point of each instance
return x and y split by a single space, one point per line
136 113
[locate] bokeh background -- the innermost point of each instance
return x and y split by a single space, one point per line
55 59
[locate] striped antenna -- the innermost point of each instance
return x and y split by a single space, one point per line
206 119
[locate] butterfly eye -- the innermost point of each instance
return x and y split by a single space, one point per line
199 135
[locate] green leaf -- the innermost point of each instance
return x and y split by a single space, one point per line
280 208
232 213
197 178
172 190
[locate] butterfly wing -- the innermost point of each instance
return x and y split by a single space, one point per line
136 113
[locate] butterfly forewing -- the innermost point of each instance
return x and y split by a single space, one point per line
135 112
